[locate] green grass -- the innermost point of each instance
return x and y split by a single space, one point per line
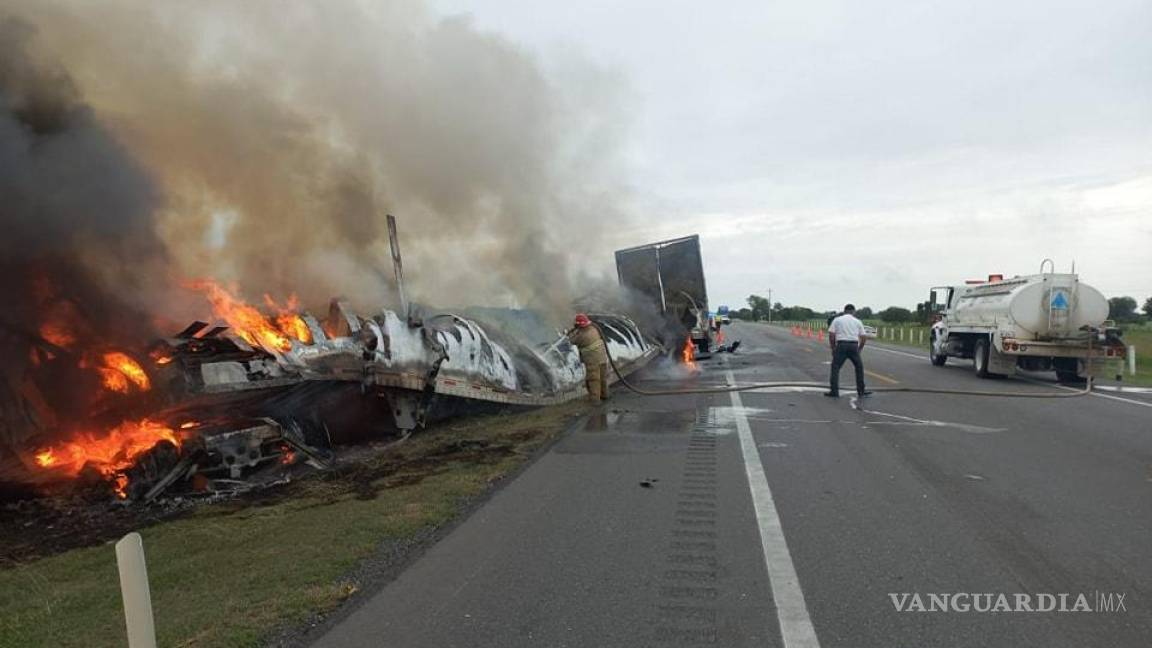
229 574
1141 337
888 333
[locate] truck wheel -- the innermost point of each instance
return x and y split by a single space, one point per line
937 360
1068 371
980 358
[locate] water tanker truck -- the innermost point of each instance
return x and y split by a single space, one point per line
1042 322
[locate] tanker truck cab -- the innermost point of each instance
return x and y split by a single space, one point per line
1043 322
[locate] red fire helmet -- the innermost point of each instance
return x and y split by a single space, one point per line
582 320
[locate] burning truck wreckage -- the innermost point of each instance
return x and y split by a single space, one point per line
233 405
253 397
235 394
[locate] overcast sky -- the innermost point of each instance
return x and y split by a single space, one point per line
865 151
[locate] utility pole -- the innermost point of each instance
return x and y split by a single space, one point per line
769 305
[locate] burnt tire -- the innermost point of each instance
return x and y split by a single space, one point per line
980 358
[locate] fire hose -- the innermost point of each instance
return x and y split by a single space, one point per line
793 384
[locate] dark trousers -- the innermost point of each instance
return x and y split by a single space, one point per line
846 351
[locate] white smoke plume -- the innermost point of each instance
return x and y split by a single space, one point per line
274 136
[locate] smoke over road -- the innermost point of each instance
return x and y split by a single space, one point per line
261 142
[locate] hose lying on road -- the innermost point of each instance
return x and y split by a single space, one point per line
785 384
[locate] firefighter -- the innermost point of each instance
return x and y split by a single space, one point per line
587 338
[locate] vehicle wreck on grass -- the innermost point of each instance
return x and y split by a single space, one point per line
243 404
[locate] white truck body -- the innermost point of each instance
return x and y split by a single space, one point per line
1046 321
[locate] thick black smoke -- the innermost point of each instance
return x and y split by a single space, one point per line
75 207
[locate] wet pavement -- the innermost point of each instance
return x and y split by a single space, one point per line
766 517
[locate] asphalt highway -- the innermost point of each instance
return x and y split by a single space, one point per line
793 519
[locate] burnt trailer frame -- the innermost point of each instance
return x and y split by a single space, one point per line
671 274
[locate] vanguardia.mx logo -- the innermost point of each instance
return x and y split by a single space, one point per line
983 602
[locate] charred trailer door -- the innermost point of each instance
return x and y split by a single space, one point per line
671 275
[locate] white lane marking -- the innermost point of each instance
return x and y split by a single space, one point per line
776 420
1092 393
781 390
886 350
908 420
791 611
1036 382
1122 388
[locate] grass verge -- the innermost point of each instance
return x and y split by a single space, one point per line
231 574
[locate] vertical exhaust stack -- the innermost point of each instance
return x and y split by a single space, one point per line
397 265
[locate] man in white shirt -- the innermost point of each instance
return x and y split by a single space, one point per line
847 336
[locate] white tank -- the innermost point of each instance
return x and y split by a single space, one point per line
1035 306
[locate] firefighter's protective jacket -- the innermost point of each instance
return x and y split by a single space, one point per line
591 345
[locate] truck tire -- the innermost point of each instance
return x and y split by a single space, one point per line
980 358
937 360
1068 371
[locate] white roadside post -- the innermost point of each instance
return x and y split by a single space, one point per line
901 333
135 592
921 337
1131 360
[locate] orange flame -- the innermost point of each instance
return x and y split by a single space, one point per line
61 323
111 454
688 353
252 325
114 380
58 333
128 369
288 321
120 485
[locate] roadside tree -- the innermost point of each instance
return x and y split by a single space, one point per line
1122 309
896 314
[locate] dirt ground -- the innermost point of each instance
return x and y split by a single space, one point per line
41 527
263 568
